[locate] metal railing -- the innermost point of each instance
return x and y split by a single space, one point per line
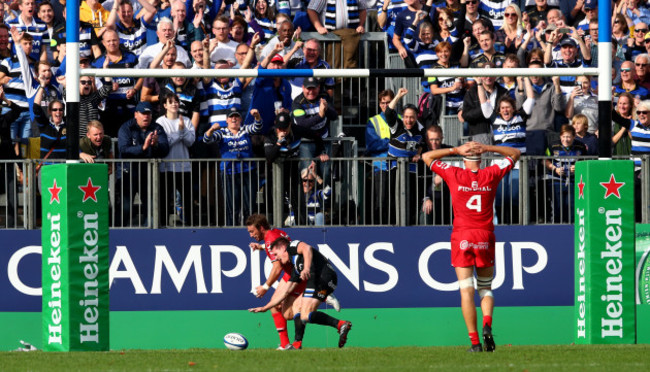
357 191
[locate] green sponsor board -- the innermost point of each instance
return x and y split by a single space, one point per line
75 312
642 264
604 246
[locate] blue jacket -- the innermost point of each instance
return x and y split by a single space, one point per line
130 139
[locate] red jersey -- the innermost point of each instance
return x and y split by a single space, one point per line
473 193
269 238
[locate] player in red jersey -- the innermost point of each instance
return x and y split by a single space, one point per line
473 190
259 229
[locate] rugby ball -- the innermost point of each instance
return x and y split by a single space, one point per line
235 341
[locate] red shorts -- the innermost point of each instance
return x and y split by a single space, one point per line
300 288
472 248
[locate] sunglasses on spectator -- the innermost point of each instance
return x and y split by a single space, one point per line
642 112
617 22
641 30
85 82
626 69
509 14
471 2
307 180
55 109
641 64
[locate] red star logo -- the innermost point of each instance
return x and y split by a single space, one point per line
54 193
581 189
612 187
89 191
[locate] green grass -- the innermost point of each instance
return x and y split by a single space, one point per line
506 358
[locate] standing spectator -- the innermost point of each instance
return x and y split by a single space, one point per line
510 36
453 88
186 32
349 27
402 22
7 152
175 177
488 54
314 200
264 16
387 11
563 168
26 22
583 101
629 84
313 110
311 59
642 69
621 137
138 138
377 139
92 11
94 145
51 125
120 102
88 41
221 47
637 44
132 31
569 56
45 12
406 141
89 99
620 31
589 13
580 123
270 94
538 12
494 10
5 47
287 36
437 202
478 124
165 32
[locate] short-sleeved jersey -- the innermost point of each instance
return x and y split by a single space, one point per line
473 193
269 238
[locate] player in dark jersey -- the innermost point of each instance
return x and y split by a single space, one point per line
312 268
260 230
473 190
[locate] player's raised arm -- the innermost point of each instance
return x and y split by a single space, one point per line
503 150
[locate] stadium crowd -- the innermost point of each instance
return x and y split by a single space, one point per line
279 118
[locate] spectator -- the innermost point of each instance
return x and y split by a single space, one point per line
26 22
175 177
264 16
569 56
445 29
45 13
270 94
493 10
478 124
453 88
406 141
14 88
284 143
241 31
621 137
138 138
635 12
642 70
620 31
186 31
5 47
436 205
472 14
88 41
589 13
151 86
121 101
132 31
562 169
377 139
591 41
637 44
314 201
488 54
196 51
387 11
629 84
187 93
313 110
51 125
165 32
348 27
91 11
94 145
9 171
580 124
510 36
510 82
583 101
89 99
287 36
311 59
221 47
538 12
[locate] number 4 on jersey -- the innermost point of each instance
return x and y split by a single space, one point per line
474 203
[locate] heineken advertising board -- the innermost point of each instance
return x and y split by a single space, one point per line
642 273
74 270
604 252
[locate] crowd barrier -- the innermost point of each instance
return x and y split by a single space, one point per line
349 191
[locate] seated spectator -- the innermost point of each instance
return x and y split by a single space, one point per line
314 202
94 145
562 169
583 101
580 123
621 137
